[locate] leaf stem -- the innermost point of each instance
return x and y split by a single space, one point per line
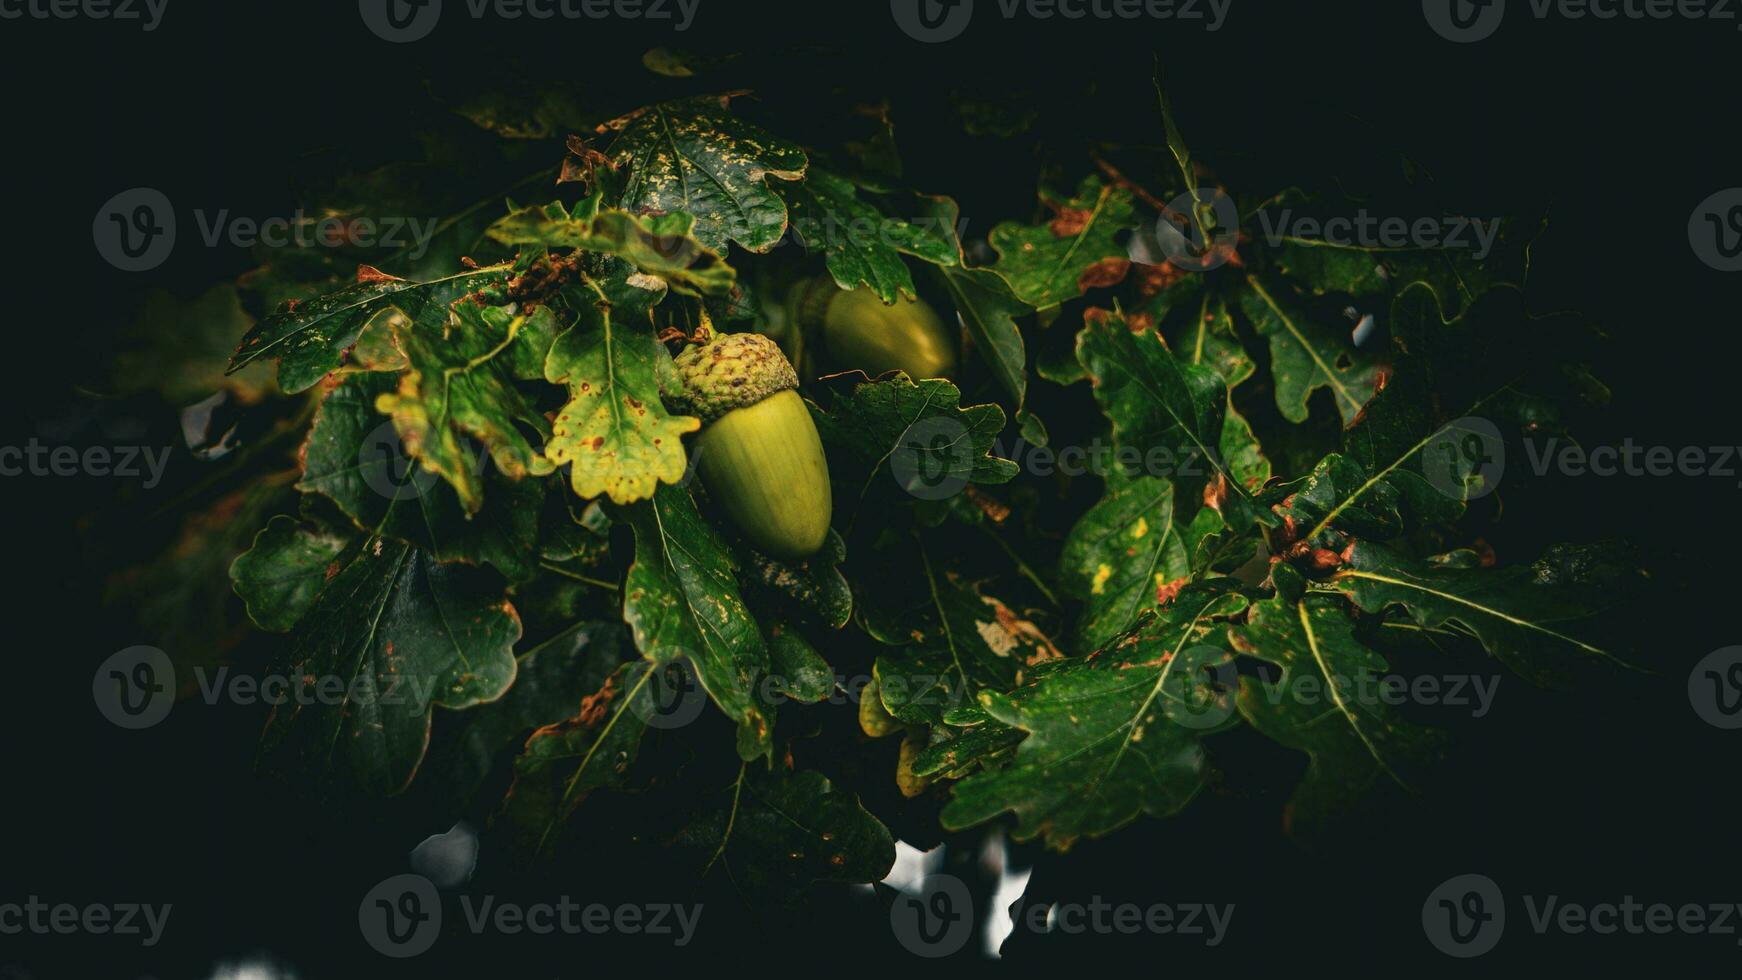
559 570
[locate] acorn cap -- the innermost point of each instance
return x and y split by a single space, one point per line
731 371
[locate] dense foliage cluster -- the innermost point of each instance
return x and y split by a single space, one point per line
493 518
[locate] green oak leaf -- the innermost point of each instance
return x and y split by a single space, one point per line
565 761
957 752
614 434
1113 734
795 668
681 600
989 310
1376 273
353 457
280 577
1306 356
775 832
393 635
694 155
918 432
658 245
947 639
1120 555
1201 333
1169 412
1200 330
860 245
312 339
1530 617
1406 461
1326 702
460 387
1077 250
1242 454
811 591
550 680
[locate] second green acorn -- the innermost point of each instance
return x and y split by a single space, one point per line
857 330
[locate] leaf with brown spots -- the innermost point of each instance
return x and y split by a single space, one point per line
681 600
565 761
945 639
390 637
351 457
1078 249
1325 703
694 155
1119 554
660 245
313 339
861 245
614 434
775 832
460 387
1112 735
280 577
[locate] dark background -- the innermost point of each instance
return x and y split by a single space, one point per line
1607 790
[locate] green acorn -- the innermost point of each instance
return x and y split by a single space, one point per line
760 456
858 330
